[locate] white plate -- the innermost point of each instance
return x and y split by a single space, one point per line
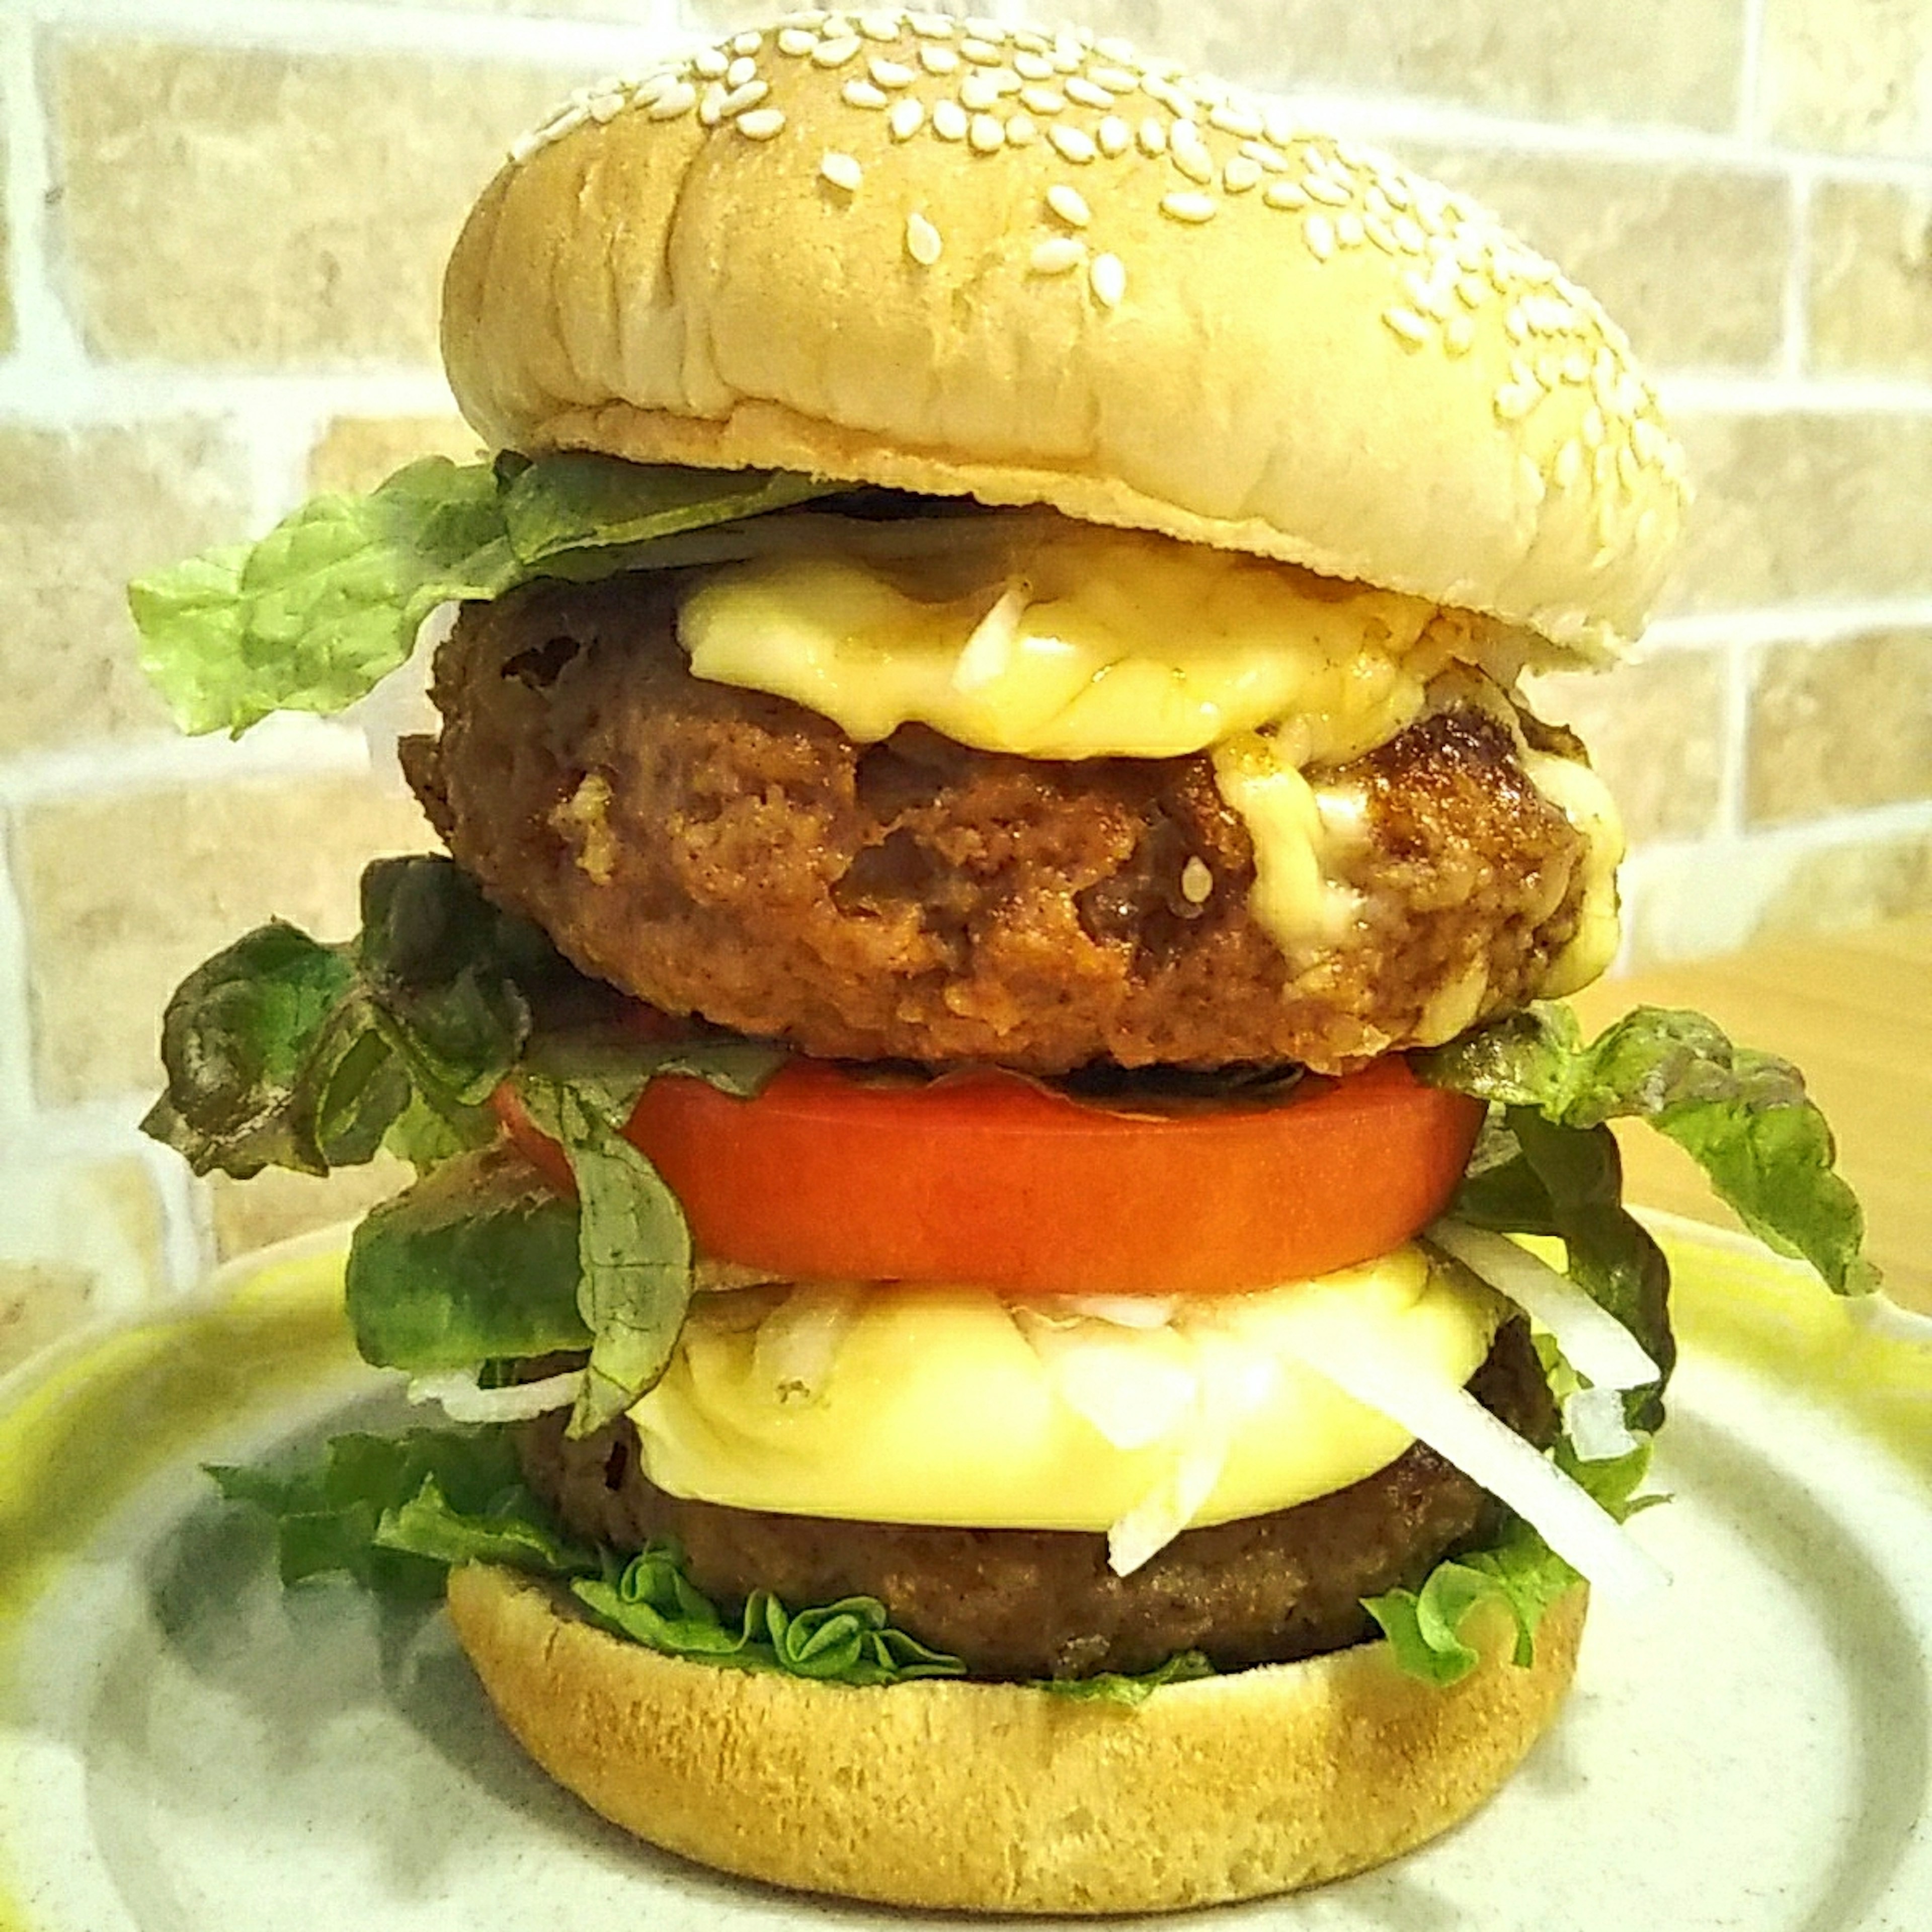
183 1745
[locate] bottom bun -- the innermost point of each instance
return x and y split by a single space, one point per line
999 1797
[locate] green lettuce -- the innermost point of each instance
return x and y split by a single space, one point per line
394 1513
1519 1574
282 1050
314 615
1744 1116
1128 1689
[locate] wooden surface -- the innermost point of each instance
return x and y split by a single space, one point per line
1855 1013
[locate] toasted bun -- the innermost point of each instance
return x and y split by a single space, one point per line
814 250
993 1797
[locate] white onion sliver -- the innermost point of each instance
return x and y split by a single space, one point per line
462 1400
1131 1395
989 650
1123 1311
1594 1342
796 1343
1458 1427
1593 1419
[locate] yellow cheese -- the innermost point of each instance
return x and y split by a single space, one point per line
1583 798
1070 641
951 1405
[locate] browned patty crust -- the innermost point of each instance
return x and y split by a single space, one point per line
1028 1604
725 853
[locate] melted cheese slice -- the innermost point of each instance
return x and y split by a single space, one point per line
1067 641
951 1405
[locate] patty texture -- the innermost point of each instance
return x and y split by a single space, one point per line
725 853
1032 1603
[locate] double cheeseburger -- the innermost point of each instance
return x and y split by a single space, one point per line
981 751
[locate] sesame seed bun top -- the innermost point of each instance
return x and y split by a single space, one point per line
960 258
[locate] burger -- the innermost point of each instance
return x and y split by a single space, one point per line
985 1026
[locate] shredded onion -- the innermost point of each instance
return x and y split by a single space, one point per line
1122 1311
1230 1382
1131 1395
1485 1449
1594 1342
795 1343
462 1400
1593 1419
990 649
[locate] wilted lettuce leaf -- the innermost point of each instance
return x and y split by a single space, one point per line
1521 1574
328 603
477 1261
1743 1115
1129 1689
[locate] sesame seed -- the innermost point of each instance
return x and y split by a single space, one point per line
675 101
711 109
1594 429
931 26
984 29
1569 468
1114 48
1057 255
760 125
1324 188
1154 136
1197 882
1032 66
907 118
740 98
1285 194
711 63
749 42
1043 100
1240 174
981 52
890 72
1319 233
1459 334
939 60
922 241
1514 401
1115 79
1530 475
1189 206
863 93
1549 369
842 171
1350 230
795 42
607 107
1107 277
1413 329
1239 121
986 134
1189 152
742 69
1603 466
1380 233
1516 324
1071 145
1471 291
1271 159
1022 130
835 53
1577 367
653 88
949 120
1069 204
1278 126
1423 296
879 26
978 93
1113 135
1080 88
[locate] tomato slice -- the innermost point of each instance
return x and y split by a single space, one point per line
984 1178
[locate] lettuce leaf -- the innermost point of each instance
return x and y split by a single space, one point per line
1744 1116
1520 1575
652 1602
314 615
1131 1690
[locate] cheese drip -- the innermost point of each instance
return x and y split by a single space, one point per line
951 1405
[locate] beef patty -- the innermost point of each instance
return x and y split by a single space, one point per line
722 852
1033 1603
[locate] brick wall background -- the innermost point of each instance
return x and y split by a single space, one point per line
221 222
